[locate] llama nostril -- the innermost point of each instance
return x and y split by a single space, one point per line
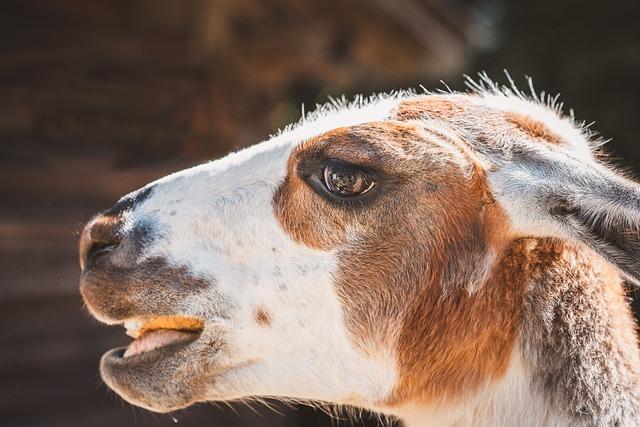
99 249
100 237
104 233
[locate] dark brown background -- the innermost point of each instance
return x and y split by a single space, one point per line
98 98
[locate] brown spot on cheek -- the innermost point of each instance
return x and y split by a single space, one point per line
262 316
533 127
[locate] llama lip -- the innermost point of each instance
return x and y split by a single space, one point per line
155 332
153 365
153 340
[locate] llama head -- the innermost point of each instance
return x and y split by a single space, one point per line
338 261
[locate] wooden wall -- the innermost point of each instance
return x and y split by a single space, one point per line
98 98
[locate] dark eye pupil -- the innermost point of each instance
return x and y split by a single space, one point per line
343 181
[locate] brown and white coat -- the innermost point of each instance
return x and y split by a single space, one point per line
479 281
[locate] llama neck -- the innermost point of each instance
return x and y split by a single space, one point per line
576 362
579 339
509 401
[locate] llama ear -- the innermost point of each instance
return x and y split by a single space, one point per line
552 194
610 225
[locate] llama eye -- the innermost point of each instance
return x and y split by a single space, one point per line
346 181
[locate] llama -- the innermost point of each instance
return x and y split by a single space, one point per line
442 258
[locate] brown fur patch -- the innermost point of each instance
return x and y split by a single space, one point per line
386 146
434 273
294 207
482 124
431 107
262 316
452 344
420 256
533 128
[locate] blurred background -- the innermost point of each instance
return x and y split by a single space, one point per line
97 98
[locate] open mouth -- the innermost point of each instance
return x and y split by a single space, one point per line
160 368
152 333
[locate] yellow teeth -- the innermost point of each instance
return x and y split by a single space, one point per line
137 327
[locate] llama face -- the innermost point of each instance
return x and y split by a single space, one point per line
337 261
291 279
208 244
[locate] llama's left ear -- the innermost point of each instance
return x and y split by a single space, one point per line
552 194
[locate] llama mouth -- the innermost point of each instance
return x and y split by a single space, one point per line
158 332
159 369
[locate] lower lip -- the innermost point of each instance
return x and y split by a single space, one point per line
119 357
142 378
154 340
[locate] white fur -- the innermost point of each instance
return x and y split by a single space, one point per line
572 137
217 220
509 401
